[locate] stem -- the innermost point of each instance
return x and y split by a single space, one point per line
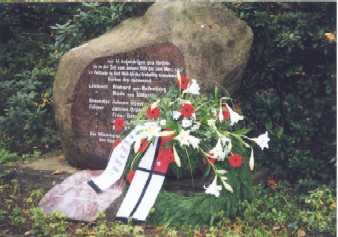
217 175
192 178
200 106
206 157
138 155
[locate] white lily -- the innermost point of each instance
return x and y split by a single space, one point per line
252 160
217 151
227 145
186 123
193 88
226 185
262 140
222 149
185 139
234 116
149 130
176 115
213 188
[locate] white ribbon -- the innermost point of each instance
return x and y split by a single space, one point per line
143 190
117 162
145 186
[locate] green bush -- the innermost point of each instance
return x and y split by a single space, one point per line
314 211
7 156
91 20
28 120
26 72
320 211
290 86
47 225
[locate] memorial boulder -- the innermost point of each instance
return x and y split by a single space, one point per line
115 74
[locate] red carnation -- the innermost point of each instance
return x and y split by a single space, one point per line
183 83
119 124
130 176
187 110
226 115
115 143
153 113
144 145
235 160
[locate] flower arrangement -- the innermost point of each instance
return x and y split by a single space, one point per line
198 128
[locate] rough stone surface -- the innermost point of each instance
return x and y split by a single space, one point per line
78 201
213 42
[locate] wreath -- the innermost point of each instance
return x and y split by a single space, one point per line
196 131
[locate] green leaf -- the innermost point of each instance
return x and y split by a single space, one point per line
242 131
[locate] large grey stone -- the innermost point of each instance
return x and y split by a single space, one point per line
205 39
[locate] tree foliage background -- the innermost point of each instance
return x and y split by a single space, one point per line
289 87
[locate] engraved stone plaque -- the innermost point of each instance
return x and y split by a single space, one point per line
118 86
